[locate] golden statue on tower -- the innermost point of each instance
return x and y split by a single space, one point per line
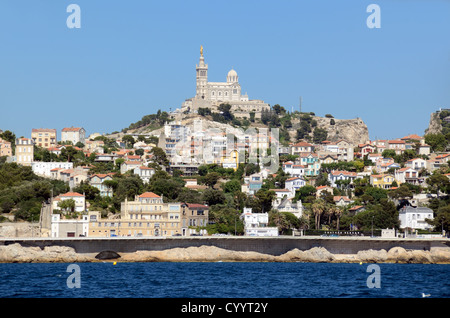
201 50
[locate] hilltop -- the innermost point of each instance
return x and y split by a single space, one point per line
292 126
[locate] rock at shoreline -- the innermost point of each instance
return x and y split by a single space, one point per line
15 253
372 256
315 254
196 254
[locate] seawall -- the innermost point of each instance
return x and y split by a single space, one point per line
267 245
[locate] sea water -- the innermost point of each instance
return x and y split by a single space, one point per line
222 280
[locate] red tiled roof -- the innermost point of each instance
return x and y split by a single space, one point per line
71 129
71 194
149 195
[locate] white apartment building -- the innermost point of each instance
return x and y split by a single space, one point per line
42 168
145 173
415 217
256 224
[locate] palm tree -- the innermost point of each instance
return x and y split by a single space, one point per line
338 212
318 207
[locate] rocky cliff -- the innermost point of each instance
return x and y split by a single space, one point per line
354 131
434 125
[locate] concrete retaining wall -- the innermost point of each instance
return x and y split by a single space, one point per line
267 245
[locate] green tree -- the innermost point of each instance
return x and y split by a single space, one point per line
67 205
129 140
437 142
319 135
211 179
318 208
232 186
159 156
213 196
439 182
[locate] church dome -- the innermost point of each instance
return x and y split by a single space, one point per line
232 76
232 73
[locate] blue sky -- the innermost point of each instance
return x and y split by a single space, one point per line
131 58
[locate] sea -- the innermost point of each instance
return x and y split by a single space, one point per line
265 281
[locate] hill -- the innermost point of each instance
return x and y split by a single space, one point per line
292 126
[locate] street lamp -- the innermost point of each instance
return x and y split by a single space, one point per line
372 225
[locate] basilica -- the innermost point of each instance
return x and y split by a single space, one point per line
212 94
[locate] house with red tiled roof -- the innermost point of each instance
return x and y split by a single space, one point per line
340 175
293 169
407 175
97 180
145 173
194 217
80 202
301 147
342 200
129 166
321 189
74 135
294 184
366 149
398 146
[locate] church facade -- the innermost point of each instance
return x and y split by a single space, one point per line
212 94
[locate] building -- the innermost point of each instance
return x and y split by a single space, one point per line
147 215
44 169
338 176
24 151
288 205
212 94
342 200
145 173
194 218
62 227
255 182
295 170
415 218
301 147
5 148
383 181
256 224
407 175
44 137
294 184
399 146
97 181
416 164
366 149
311 163
80 201
129 166
74 135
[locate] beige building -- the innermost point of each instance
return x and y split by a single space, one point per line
74 135
194 218
24 151
44 137
5 148
147 215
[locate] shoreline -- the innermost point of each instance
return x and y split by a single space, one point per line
16 253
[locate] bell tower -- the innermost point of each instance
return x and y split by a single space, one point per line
202 78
